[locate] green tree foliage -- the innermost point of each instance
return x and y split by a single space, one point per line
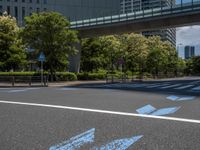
181 66
172 59
157 57
135 51
193 66
138 52
162 57
49 32
12 52
196 65
99 53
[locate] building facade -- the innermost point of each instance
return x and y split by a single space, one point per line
72 9
130 6
189 52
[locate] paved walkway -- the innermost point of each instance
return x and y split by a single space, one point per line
73 83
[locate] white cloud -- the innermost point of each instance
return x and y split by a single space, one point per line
188 35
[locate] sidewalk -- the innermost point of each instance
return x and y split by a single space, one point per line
75 83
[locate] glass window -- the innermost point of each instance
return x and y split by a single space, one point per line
23 12
45 1
16 12
1 10
38 10
8 10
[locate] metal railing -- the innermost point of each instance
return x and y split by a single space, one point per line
192 6
23 81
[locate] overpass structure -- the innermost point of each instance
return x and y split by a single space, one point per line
174 15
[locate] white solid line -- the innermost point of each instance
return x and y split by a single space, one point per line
104 111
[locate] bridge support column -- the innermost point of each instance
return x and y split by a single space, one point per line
74 61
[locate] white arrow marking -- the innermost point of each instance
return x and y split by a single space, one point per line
121 144
76 142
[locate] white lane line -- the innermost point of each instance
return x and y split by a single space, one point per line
196 88
104 111
170 86
183 87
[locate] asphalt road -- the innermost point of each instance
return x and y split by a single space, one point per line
41 118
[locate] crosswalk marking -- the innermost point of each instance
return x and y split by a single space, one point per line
195 82
163 85
137 85
158 85
183 87
170 86
196 88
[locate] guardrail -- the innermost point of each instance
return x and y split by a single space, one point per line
23 81
161 11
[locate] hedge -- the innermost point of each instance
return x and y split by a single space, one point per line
19 73
65 76
60 76
91 76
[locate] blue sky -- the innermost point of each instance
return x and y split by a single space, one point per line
188 35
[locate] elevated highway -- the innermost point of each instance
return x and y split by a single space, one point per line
156 18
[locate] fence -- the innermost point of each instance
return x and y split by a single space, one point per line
124 77
23 81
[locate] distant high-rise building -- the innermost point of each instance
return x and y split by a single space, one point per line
189 52
129 6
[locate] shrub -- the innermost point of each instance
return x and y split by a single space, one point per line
60 76
65 76
91 76
19 73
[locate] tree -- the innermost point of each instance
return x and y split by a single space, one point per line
193 65
135 51
157 58
99 53
181 66
196 65
112 52
92 57
49 32
172 58
12 52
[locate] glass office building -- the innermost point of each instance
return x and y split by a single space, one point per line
129 6
189 52
72 9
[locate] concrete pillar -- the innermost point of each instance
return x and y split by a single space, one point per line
74 61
